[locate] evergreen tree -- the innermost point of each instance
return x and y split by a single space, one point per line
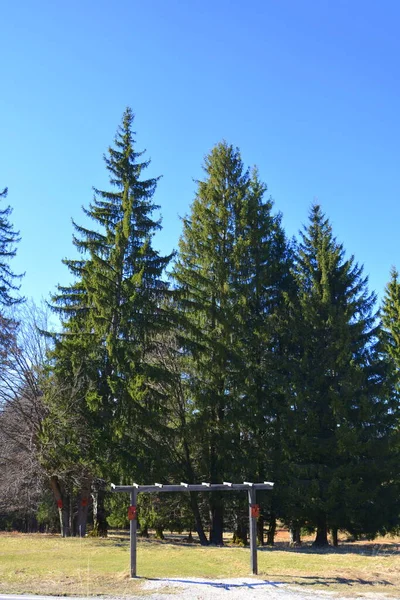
390 315
262 282
341 416
390 336
112 313
204 273
8 240
231 264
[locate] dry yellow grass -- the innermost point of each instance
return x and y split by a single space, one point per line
45 564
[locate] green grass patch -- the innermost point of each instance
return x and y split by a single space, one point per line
45 564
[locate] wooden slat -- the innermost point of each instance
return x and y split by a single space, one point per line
212 487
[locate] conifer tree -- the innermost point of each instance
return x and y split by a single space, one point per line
262 282
204 273
341 417
390 337
230 266
390 315
8 240
113 311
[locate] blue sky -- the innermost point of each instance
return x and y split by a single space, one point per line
308 90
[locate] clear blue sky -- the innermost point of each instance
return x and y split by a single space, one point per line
308 89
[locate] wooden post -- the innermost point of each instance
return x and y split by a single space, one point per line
133 535
253 531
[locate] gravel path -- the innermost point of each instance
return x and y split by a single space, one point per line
218 589
235 589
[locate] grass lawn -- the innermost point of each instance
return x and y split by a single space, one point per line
47 564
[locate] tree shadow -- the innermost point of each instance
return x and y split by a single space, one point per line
123 540
329 581
218 584
367 549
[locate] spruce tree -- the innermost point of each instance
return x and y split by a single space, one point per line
9 238
390 345
341 418
113 311
390 315
231 263
262 282
204 274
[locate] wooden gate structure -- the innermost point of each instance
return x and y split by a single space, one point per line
250 488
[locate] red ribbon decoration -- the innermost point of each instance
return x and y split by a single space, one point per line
132 513
59 503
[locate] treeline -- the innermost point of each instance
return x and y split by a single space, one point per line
243 356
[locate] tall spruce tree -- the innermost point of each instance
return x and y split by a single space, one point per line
9 239
204 273
262 282
390 335
390 315
112 313
231 264
341 416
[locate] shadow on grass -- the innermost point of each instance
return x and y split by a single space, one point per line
365 549
121 539
143 542
329 581
118 540
218 584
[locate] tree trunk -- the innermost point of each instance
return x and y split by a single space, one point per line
159 533
63 505
271 530
216 520
321 539
72 520
192 496
240 530
83 508
100 525
260 531
295 535
335 540
197 518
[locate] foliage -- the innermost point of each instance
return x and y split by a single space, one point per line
8 240
231 271
390 315
341 413
103 405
